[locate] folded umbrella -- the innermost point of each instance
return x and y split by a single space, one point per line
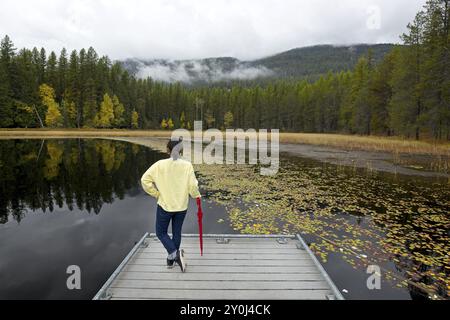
200 224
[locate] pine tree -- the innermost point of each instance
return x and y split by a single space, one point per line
359 104
51 71
25 93
406 105
72 92
62 74
6 93
24 115
381 94
41 64
89 98
435 68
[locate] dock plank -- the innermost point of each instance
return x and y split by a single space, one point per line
242 268
234 250
231 256
214 245
226 269
223 285
234 262
178 276
194 243
120 293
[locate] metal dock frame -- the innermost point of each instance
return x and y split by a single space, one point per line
336 292
223 239
102 294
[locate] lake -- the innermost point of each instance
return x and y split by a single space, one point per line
75 202
79 202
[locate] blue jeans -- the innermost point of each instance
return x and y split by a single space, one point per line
163 219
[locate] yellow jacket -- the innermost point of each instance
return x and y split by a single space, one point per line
171 182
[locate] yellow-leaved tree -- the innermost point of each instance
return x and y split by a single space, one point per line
182 120
134 120
119 110
170 124
105 117
228 120
163 124
53 116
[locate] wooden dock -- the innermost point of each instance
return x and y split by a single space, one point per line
233 267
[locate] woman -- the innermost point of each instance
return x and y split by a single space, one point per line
171 181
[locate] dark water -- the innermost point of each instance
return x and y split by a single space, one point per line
79 202
74 202
399 223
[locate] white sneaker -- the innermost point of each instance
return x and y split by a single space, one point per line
180 260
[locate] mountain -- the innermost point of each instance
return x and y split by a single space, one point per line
307 62
317 60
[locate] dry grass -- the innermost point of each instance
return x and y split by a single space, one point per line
393 145
80 133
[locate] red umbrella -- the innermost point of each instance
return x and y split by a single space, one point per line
200 224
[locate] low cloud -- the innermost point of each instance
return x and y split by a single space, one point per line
200 71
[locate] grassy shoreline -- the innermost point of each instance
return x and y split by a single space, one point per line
394 145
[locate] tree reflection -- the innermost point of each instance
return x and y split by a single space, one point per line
43 175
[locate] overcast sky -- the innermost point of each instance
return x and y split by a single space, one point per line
181 29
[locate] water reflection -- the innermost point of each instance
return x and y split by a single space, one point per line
78 173
74 202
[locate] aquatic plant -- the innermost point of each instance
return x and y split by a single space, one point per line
366 216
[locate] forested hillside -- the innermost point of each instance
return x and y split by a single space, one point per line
312 62
407 93
302 63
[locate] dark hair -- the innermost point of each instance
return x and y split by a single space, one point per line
173 143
